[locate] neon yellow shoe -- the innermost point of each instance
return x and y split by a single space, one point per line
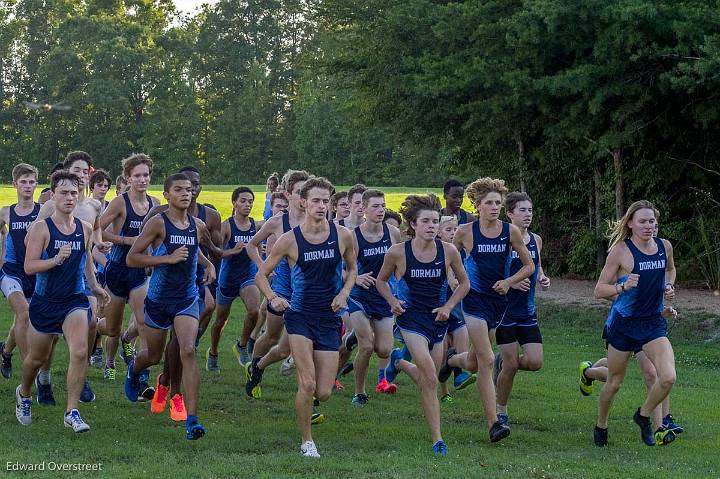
317 417
586 385
664 436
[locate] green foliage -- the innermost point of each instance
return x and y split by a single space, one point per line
393 93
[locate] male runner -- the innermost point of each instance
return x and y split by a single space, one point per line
58 252
315 251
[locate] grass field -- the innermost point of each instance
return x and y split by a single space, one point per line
551 423
219 196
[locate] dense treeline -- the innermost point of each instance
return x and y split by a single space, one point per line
586 105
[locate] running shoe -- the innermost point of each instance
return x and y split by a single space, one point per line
177 408
127 351
44 393
308 449
385 387
359 400
586 384
132 385
447 399
503 419
346 369
440 448
350 341
159 400
254 378
446 370
497 367
600 437
391 370
338 385
241 354
147 392
96 358
669 423
23 408
87 394
194 430
463 380
646 433
287 366
317 417
211 362
664 436
499 431
73 420
109 373
5 362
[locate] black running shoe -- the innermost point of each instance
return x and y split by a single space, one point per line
499 431
646 432
5 362
600 437
346 369
497 367
446 370
254 380
351 341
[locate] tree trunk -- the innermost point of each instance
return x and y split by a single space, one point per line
619 183
599 242
521 161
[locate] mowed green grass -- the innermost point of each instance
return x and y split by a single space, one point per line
551 423
220 196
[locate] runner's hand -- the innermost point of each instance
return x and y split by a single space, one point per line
396 307
443 313
501 287
365 280
523 285
339 302
179 255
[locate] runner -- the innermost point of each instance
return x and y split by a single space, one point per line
314 250
518 328
15 284
237 276
58 253
640 271
172 298
420 309
370 313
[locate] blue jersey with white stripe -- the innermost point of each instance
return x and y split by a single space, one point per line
317 274
234 268
14 265
645 301
370 257
130 229
177 281
282 283
424 286
486 261
68 278
521 304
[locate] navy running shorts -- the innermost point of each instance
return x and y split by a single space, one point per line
325 331
48 316
121 280
483 307
423 324
161 315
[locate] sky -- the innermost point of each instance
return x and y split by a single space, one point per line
190 5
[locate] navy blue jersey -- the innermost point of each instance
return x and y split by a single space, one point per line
462 217
176 282
67 279
485 264
200 274
370 257
130 228
424 286
317 274
15 240
645 301
234 268
522 303
282 283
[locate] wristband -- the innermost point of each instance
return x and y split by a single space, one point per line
622 286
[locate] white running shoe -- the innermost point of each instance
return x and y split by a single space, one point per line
73 420
308 449
287 366
23 408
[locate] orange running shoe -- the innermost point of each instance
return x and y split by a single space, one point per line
385 387
159 400
177 408
338 385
